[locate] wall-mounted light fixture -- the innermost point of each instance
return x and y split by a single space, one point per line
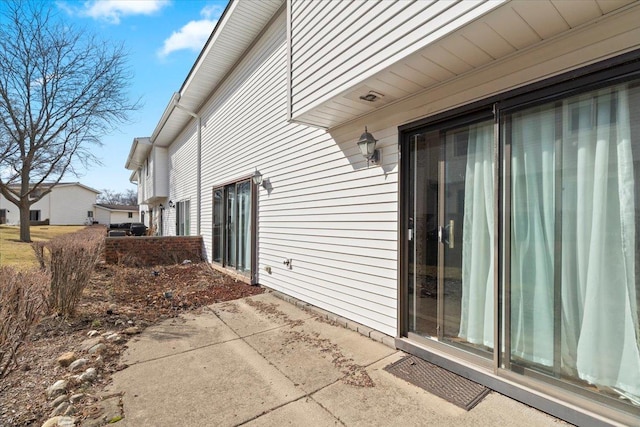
161 206
367 146
257 177
171 204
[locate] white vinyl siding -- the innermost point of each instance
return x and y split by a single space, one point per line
334 217
356 40
108 216
607 38
182 178
68 205
155 176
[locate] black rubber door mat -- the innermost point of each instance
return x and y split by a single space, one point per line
451 387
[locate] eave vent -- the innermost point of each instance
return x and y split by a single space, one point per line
371 96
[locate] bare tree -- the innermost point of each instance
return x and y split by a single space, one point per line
110 197
61 90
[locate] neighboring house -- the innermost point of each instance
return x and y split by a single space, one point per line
68 203
116 214
497 234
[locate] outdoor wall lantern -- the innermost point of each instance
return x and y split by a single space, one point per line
257 177
171 204
367 145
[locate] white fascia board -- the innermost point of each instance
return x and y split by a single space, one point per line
140 148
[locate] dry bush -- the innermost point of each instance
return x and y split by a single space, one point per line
22 304
70 260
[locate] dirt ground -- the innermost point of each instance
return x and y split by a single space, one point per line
117 300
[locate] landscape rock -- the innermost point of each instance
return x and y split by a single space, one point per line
60 421
114 338
65 359
133 330
88 343
93 333
58 400
78 365
58 388
60 409
98 349
70 410
89 375
76 397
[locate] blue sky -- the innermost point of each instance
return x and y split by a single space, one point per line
163 39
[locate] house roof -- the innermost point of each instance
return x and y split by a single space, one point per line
59 185
237 28
127 208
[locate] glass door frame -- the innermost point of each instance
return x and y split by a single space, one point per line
253 219
442 123
541 391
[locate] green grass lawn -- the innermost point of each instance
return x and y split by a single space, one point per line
19 254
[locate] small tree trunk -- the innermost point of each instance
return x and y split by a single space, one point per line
25 223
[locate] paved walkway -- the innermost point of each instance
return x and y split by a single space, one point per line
262 361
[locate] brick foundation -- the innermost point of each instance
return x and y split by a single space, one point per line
146 251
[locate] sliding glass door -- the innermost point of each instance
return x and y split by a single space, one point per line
233 225
451 235
573 288
522 239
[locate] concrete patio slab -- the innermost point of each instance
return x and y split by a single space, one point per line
303 412
262 361
177 335
260 313
315 354
393 401
218 385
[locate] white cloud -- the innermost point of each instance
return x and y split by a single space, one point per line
112 10
194 34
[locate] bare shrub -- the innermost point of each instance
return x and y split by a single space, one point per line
22 304
70 260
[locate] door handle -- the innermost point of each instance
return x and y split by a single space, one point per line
446 234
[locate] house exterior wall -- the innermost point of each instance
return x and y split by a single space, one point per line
154 176
70 204
66 204
103 216
182 177
357 39
319 211
13 213
108 216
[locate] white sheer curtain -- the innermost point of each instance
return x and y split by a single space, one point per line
476 323
532 234
599 313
